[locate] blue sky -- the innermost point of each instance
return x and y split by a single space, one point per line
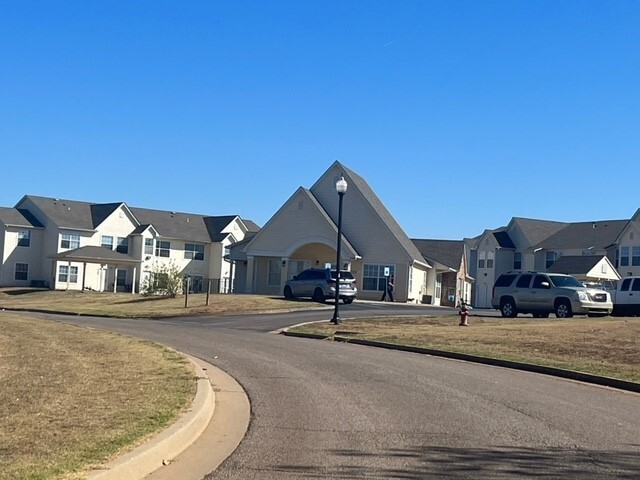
459 114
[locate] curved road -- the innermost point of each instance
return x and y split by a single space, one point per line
332 410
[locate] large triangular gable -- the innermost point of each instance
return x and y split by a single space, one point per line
366 221
300 221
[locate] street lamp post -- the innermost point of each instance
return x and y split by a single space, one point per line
341 188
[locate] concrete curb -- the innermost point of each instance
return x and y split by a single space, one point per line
169 443
556 372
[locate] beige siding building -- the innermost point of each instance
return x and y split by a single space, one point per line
303 234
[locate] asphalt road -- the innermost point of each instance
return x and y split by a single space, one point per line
324 409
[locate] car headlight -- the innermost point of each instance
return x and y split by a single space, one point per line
583 297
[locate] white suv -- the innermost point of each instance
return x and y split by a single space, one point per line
543 293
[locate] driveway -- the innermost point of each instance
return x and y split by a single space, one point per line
331 410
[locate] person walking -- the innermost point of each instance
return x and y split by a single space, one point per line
388 291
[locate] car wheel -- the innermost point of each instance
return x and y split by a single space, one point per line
508 308
318 296
347 301
563 309
288 294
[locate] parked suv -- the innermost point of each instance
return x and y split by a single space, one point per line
320 284
543 293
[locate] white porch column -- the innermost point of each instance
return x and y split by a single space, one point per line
283 272
133 280
68 274
115 278
250 274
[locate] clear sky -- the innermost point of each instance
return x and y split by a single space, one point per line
459 114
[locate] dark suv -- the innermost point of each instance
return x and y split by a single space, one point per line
319 284
543 293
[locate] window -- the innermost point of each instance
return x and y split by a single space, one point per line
551 259
625 285
21 271
517 261
537 281
635 256
490 256
70 240
24 238
373 277
624 256
194 251
163 249
275 266
481 259
505 280
148 246
123 245
107 242
67 274
523 281
636 285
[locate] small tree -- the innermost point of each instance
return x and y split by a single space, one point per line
164 279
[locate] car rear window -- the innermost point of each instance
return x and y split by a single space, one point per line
505 280
344 275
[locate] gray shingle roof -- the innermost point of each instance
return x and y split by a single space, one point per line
384 214
18 217
445 252
537 230
69 214
574 264
599 234
96 254
72 214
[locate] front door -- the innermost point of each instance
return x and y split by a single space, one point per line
121 279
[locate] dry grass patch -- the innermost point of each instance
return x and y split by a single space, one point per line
603 346
72 397
130 305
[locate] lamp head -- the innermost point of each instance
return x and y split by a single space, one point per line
341 185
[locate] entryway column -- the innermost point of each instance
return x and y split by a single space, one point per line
250 274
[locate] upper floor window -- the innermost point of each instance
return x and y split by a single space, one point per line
624 256
194 251
70 240
482 255
635 256
517 261
107 242
123 245
21 271
24 238
490 256
163 249
148 246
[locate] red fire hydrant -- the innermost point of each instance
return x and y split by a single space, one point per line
464 313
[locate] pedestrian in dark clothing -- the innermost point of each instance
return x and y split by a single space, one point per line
388 290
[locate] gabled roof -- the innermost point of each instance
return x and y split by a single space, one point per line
536 230
101 211
18 217
384 214
446 252
70 214
585 235
503 239
574 264
252 226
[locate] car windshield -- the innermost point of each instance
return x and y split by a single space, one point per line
344 275
564 281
